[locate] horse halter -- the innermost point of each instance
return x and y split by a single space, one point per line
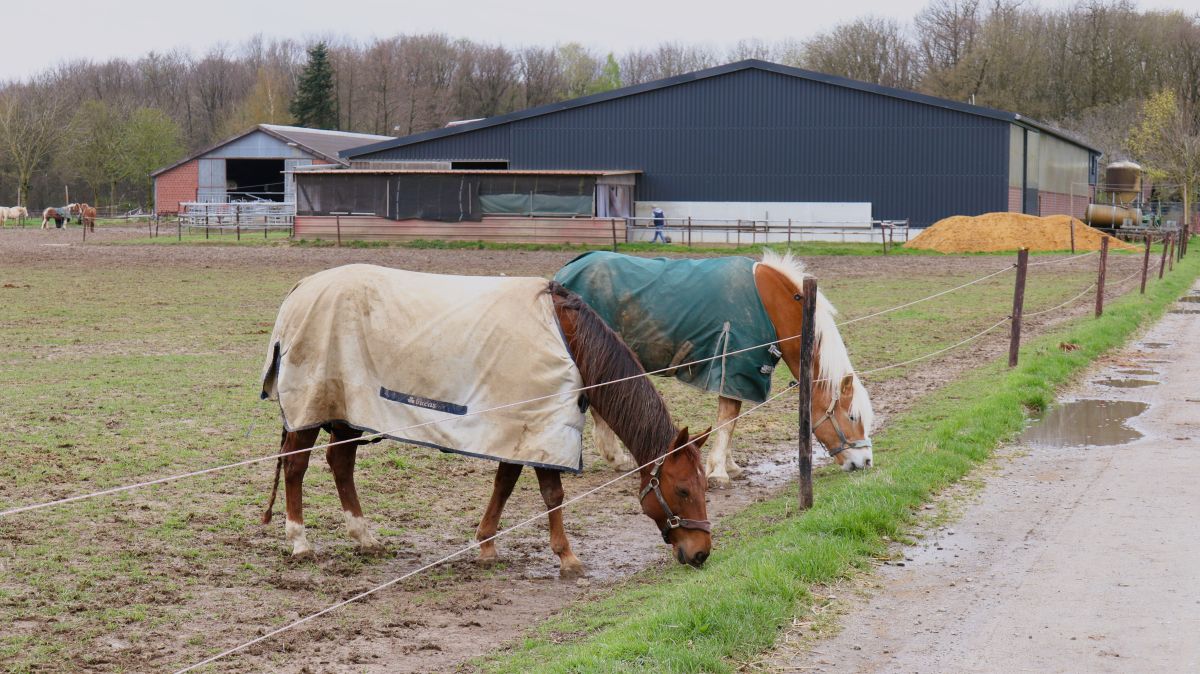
845 444
673 521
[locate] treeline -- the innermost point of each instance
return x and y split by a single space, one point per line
101 126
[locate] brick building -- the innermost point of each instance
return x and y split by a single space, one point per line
254 165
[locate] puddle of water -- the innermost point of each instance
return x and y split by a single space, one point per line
1141 372
1127 383
1084 423
1156 345
1190 298
1184 311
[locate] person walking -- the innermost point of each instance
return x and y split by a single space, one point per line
660 222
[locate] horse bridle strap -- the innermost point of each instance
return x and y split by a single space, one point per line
845 444
673 521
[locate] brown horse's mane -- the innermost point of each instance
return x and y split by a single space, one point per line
633 409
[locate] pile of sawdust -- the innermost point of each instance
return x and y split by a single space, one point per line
993 232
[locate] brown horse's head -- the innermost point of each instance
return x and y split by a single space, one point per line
673 495
841 407
842 421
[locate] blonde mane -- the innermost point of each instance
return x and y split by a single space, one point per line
835 359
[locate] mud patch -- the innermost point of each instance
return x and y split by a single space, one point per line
1085 423
1127 383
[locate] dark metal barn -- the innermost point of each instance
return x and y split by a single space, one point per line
754 137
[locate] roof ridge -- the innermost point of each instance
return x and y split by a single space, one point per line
715 71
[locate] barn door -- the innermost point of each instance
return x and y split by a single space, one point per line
211 187
289 179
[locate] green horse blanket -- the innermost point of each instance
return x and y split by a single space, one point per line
671 312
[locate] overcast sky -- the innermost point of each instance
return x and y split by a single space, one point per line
40 33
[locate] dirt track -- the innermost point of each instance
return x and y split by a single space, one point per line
1068 560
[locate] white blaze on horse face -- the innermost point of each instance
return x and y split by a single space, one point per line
295 534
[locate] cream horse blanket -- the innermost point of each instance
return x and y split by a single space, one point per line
386 350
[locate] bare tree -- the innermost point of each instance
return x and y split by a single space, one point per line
32 121
872 50
541 75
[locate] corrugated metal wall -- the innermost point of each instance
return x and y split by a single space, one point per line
755 135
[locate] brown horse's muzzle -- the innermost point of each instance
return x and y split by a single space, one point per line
691 547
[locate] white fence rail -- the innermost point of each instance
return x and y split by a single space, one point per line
694 231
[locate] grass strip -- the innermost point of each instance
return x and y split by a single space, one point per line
675 619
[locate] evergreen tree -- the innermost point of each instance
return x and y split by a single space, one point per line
313 105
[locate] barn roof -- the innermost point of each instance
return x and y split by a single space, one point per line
748 64
320 143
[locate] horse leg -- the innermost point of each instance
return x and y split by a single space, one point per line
610 447
720 467
294 467
506 479
341 459
550 483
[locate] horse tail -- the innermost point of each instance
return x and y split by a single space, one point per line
266 518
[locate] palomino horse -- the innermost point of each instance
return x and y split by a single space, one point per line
348 340
17 213
673 312
59 214
87 216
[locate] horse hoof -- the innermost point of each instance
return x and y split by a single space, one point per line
719 482
306 555
626 466
375 549
487 561
735 471
571 571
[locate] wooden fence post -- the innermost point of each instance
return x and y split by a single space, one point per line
689 231
339 230
179 228
1145 264
612 223
1100 277
804 392
1072 236
1014 342
1162 262
1171 255
789 234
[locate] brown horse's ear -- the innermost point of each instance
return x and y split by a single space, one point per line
702 437
681 439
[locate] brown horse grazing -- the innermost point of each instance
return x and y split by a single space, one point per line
349 339
87 216
59 214
675 311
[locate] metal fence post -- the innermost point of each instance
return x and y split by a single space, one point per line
1100 277
1014 342
1145 264
689 231
804 390
789 233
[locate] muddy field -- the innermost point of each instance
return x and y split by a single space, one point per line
120 363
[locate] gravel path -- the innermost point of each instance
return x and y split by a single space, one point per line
1067 560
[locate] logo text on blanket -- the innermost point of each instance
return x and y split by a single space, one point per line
418 401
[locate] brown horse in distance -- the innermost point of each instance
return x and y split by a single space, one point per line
87 217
